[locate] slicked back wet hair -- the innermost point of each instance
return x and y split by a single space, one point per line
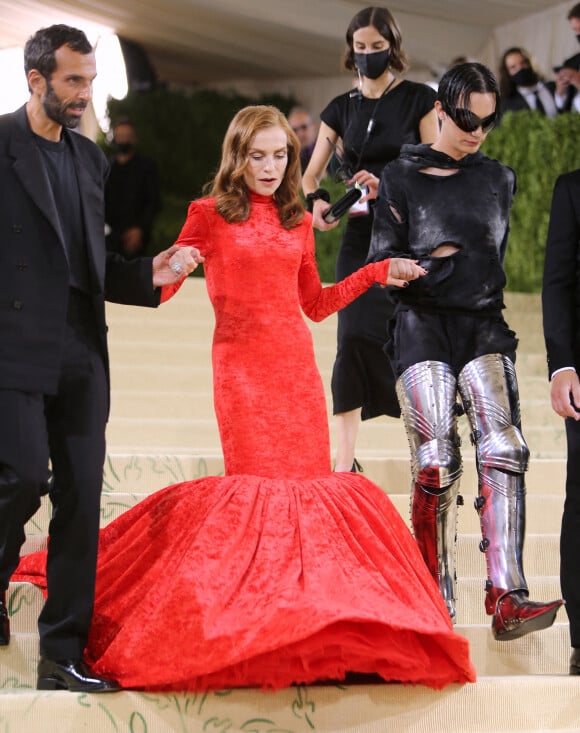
462 80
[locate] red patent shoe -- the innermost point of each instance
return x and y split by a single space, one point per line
516 616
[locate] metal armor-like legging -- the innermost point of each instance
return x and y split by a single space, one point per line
427 393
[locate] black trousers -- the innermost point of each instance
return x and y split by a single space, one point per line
570 536
69 429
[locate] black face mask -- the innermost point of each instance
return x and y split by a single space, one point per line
525 77
372 65
123 148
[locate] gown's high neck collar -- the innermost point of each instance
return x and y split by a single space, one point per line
258 198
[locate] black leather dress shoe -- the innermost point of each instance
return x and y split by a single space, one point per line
4 621
73 675
575 661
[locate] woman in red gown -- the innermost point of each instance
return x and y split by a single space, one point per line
281 571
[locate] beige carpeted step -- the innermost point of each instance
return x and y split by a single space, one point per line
493 705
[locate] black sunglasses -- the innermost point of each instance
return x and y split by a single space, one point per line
302 128
467 121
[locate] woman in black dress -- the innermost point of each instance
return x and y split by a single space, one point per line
368 126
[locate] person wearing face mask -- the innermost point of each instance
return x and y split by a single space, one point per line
132 197
568 75
521 85
372 122
446 206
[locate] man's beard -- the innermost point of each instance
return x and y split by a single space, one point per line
57 111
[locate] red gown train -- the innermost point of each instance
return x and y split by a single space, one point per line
281 571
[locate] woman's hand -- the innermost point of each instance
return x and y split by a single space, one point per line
175 264
318 209
402 271
366 178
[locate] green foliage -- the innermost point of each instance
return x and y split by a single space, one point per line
539 150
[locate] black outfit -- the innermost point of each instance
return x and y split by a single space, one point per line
54 277
361 374
452 314
561 310
572 63
517 102
131 200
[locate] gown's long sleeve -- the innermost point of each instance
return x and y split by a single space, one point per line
319 302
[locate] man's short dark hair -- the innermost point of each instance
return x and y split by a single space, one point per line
40 49
575 12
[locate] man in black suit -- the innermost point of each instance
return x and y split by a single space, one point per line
561 309
568 76
55 275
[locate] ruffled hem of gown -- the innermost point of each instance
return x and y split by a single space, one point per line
243 581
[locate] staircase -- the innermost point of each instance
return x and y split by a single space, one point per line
163 431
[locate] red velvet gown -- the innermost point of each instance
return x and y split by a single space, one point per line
281 571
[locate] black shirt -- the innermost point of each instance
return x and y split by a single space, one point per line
60 168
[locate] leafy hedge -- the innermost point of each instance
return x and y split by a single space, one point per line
183 133
539 150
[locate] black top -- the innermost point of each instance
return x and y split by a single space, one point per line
132 195
60 168
396 121
469 209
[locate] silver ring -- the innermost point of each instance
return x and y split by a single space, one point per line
176 267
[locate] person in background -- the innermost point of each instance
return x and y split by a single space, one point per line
561 310
521 85
132 198
55 276
447 207
568 75
372 122
305 129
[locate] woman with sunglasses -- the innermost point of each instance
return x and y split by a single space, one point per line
371 122
447 206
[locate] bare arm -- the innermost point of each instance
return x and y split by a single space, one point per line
313 174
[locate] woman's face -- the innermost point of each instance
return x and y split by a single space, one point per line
514 62
369 40
267 161
454 140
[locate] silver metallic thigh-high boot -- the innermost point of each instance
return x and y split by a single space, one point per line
427 396
489 392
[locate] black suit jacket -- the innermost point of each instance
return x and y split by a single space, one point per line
34 273
516 102
561 287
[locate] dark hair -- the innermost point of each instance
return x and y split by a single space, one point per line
126 121
387 26
460 81
575 12
228 186
40 49
506 85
